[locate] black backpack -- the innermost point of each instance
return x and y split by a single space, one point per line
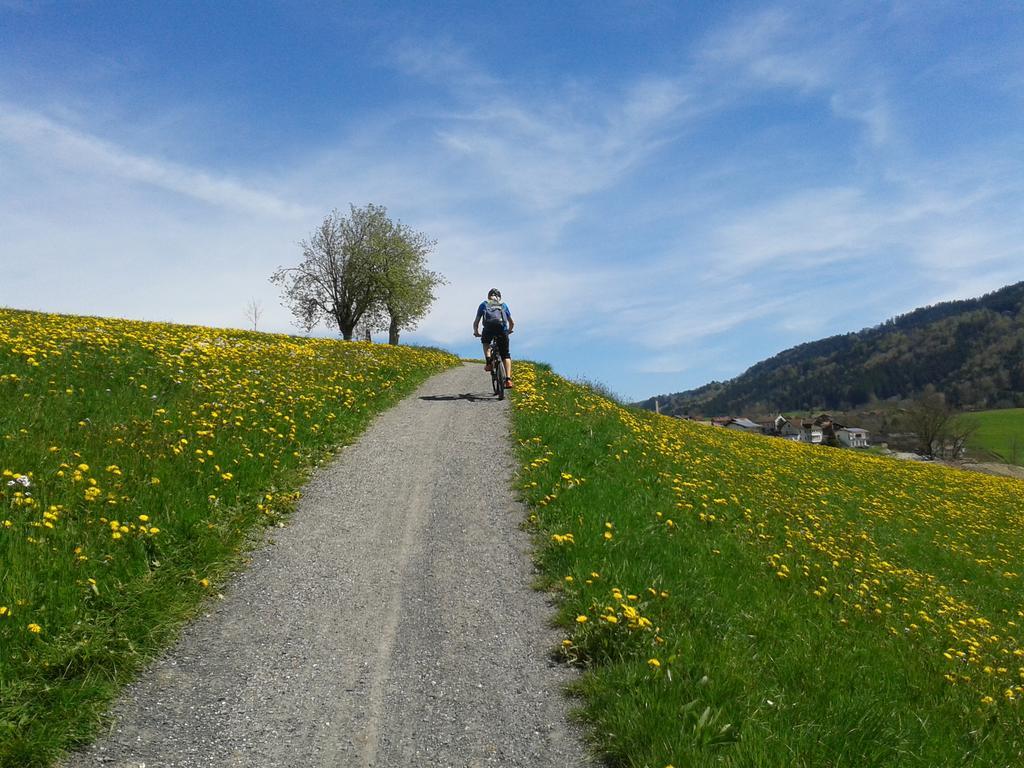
494 314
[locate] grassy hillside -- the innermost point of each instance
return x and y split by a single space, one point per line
136 459
737 600
1000 433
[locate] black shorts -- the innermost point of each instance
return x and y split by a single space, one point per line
501 335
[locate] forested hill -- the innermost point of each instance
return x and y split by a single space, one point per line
971 350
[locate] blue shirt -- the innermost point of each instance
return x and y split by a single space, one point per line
504 323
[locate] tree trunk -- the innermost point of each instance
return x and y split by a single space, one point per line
346 328
393 331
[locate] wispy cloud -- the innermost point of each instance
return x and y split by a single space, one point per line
943 230
547 149
549 156
45 137
813 52
763 48
441 62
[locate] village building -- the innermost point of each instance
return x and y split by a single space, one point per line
822 430
786 429
811 433
853 437
744 425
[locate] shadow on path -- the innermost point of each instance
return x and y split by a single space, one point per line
465 396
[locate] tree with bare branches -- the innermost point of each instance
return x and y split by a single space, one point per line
336 281
940 430
253 312
360 270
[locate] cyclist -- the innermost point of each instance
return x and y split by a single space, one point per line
498 323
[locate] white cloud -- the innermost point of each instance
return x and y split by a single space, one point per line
50 140
815 52
763 48
668 363
807 228
867 106
552 148
441 62
549 156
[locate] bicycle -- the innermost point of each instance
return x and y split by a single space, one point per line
497 369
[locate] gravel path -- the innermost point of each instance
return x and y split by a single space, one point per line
391 623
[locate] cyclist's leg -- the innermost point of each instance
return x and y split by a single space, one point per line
485 338
506 358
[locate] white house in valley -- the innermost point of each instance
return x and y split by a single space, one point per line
821 430
800 430
853 437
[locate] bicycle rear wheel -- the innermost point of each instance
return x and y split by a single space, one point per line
498 377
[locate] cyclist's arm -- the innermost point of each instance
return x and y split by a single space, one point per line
511 322
476 322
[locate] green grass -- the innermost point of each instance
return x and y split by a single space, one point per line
736 600
1000 433
139 461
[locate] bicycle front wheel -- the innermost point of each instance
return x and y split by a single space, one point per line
499 380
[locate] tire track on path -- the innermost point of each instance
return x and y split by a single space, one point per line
391 623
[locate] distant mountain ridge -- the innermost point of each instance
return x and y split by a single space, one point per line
971 350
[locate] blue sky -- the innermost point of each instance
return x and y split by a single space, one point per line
666 193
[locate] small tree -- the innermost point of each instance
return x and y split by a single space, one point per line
961 429
337 280
361 270
929 417
253 312
939 429
407 286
